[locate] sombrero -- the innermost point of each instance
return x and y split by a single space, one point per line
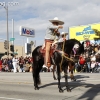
64 33
57 20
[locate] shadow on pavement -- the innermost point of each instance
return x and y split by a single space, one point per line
90 94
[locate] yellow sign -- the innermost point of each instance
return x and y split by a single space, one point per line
84 32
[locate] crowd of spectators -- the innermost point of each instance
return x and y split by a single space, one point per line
16 64
89 61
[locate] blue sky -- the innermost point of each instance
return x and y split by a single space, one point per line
36 14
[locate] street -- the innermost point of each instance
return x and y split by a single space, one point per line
19 86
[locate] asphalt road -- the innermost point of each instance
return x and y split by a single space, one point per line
19 86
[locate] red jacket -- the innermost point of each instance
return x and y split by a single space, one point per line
81 60
0 62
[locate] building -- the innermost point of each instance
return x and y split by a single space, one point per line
18 49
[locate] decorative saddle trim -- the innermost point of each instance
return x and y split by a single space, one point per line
52 50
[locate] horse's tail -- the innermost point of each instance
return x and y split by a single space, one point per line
36 71
37 64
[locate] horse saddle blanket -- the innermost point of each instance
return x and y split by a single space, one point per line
43 50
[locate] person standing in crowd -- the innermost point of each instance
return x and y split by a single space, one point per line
10 66
93 63
0 65
21 63
81 62
15 63
88 61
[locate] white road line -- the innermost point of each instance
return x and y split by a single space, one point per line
20 82
11 98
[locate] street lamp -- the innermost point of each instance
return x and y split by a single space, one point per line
6 8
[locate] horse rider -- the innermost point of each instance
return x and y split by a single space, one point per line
51 33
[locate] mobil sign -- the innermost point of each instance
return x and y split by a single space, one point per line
25 31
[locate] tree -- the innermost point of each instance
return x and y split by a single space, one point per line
97 32
32 43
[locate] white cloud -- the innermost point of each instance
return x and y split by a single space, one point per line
36 13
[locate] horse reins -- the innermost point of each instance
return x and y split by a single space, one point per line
64 55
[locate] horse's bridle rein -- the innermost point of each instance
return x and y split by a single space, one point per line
65 55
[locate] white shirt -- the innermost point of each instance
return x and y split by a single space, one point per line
93 58
15 61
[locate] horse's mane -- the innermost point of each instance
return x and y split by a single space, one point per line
68 45
72 42
36 50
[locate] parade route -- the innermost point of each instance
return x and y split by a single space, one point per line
19 86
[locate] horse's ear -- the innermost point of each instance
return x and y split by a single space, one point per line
83 43
81 48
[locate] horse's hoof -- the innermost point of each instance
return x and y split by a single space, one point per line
61 91
55 79
73 79
68 90
36 88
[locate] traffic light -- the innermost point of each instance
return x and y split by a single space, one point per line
12 48
6 53
5 44
28 48
12 55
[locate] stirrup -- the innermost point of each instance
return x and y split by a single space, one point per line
48 64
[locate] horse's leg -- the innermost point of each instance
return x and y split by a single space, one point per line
72 76
53 70
35 76
59 77
36 83
71 68
39 68
66 78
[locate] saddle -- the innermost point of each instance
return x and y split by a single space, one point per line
52 50
43 50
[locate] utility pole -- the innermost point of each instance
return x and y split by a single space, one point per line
12 36
7 31
12 31
6 8
5 5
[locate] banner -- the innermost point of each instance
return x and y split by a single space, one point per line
84 32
